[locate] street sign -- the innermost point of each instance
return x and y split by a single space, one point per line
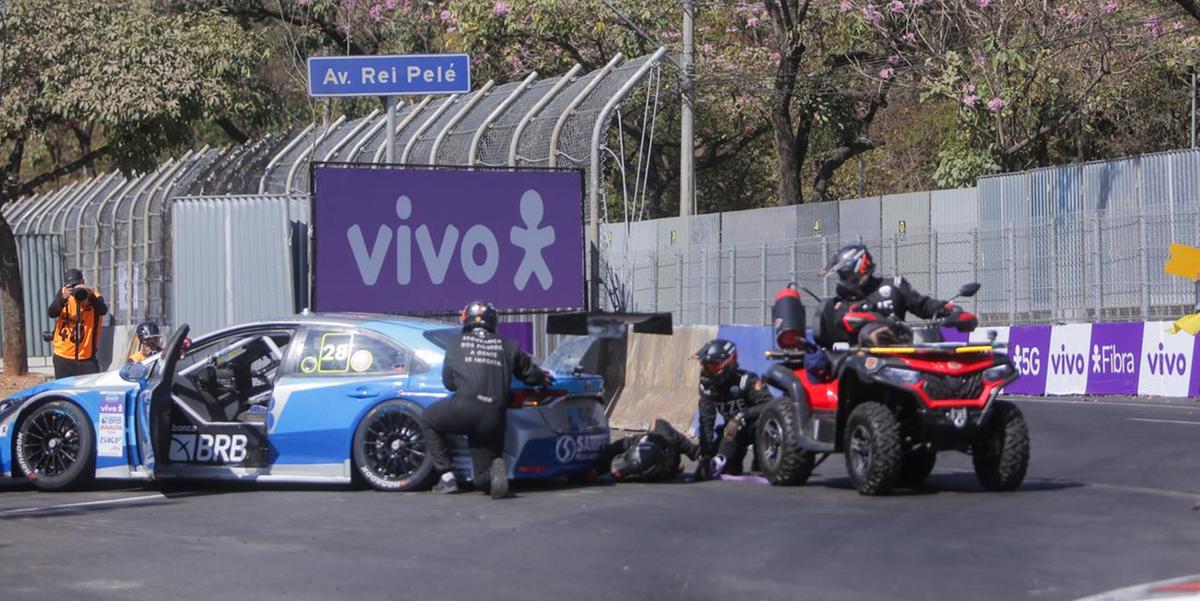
389 75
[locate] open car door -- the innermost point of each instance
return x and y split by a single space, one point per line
154 403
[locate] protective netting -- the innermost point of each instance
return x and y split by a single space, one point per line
456 142
117 228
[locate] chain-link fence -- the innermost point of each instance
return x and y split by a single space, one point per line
1074 267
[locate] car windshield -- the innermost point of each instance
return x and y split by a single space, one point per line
569 354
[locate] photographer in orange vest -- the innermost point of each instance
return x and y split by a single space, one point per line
78 310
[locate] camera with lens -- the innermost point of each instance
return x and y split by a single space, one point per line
48 335
81 293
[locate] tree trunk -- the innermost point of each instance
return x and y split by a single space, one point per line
12 302
788 158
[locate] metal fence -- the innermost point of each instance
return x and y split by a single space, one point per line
1077 243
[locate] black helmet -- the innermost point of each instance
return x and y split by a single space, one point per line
718 358
852 263
479 314
149 334
639 460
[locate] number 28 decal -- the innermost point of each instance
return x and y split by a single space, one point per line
336 355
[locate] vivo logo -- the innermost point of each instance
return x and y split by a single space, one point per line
1167 364
1106 360
477 250
1063 362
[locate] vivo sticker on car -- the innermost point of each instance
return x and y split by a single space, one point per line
110 431
208 448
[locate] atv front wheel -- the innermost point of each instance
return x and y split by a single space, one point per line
873 451
917 466
782 460
1001 454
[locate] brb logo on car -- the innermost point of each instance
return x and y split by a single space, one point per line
208 448
406 240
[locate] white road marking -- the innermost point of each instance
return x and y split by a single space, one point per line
1069 401
1163 421
27 510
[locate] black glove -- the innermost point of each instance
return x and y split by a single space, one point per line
703 469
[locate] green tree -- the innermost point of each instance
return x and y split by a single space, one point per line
135 80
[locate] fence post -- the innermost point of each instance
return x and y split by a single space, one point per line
763 282
1012 275
1098 267
1056 273
704 284
732 283
895 255
654 262
824 255
933 263
681 281
975 265
792 274
1143 267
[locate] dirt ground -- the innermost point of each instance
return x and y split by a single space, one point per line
11 384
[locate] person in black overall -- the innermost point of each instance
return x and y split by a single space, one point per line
478 370
739 396
654 456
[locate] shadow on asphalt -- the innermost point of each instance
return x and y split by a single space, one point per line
958 483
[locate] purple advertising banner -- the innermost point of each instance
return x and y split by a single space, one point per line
1029 346
393 240
1114 358
520 331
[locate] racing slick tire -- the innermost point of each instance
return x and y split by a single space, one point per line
56 447
390 451
917 466
873 451
1001 454
781 459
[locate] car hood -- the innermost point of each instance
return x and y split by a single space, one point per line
106 380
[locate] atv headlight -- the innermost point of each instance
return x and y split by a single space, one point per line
999 372
903 376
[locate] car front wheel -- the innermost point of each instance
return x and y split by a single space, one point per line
56 447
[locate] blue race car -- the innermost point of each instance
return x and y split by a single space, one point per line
313 398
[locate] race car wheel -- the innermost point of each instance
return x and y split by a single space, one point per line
390 449
917 466
1001 455
780 457
56 447
873 451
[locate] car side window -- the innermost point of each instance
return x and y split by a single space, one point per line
335 352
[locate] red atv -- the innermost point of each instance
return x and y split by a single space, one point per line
889 409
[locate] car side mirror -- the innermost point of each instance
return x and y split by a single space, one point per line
133 372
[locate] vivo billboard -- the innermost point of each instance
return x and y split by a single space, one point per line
401 240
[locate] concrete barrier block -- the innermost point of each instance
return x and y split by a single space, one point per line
661 380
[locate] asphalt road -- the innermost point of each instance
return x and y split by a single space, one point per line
1110 501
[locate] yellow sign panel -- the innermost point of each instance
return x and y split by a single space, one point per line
1184 261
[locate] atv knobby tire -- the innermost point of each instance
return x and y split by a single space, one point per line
1001 454
873 451
782 461
917 466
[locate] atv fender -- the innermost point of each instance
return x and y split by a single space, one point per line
782 378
